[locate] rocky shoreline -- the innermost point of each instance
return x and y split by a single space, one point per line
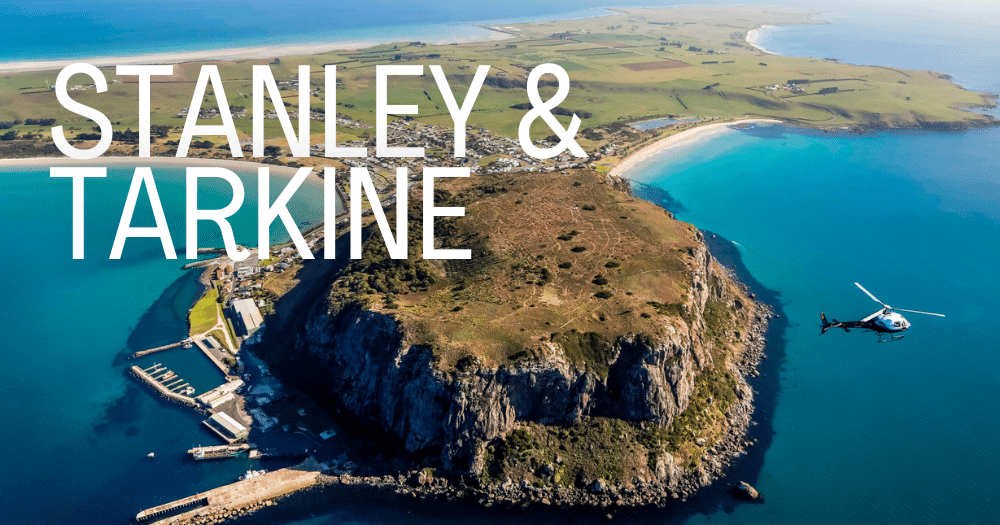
941 127
407 394
713 464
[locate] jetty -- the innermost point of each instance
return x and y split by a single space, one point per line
226 499
167 383
218 452
185 343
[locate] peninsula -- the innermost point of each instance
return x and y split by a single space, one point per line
592 351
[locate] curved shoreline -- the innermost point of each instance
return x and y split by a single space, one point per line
753 36
177 162
643 496
285 172
698 132
240 53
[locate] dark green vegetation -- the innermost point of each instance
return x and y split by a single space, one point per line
542 276
528 291
597 448
610 449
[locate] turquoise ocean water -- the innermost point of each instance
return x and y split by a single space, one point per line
861 432
850 430
876 433
77 427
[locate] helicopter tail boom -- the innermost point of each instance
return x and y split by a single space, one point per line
835 324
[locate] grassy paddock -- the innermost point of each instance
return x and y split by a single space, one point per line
684 62
204 314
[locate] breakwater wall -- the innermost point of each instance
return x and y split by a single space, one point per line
147 378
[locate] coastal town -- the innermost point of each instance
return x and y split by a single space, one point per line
486 152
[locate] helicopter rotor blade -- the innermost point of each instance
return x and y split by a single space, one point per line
872 296
872 316
918 312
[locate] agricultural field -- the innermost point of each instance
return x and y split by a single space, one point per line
639 64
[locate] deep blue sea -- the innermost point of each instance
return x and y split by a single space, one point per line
862 432
78 427
850 430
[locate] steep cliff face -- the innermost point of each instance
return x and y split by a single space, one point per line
371 371
591 339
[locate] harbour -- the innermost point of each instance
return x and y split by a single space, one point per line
246 493
163 381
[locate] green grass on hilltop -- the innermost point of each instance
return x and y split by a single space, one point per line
203 315
529 282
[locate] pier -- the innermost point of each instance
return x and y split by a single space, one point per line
166 383
234 496
185 343
218 452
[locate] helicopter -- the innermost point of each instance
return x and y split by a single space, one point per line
884 321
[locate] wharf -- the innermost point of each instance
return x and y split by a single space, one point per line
155 376
234 496
185 343
218 452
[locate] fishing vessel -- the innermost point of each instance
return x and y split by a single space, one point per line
251 474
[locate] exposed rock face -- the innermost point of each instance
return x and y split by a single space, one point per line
748 490
619 184
375 375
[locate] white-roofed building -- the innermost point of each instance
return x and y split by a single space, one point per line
245 316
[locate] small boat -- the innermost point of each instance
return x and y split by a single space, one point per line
252 474
151 455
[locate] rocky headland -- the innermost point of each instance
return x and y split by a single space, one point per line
591 352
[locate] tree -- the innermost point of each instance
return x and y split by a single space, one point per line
272 151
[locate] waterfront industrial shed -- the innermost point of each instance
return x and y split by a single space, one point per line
245 316
220 395
227 427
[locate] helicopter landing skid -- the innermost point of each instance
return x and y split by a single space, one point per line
890 339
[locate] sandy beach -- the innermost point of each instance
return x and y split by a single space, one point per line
236 53
684 137
187 56
753 36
